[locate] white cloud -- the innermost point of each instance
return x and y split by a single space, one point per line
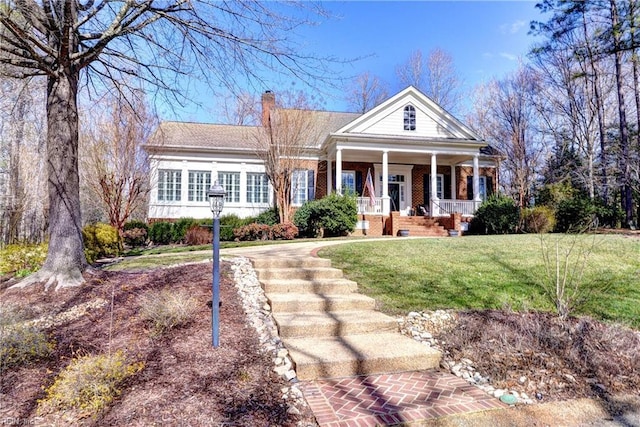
509 56
512 28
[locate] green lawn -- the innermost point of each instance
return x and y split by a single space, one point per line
490 272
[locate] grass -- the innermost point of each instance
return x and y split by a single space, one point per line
484 272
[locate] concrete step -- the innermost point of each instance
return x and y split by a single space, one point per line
289 262
338 323
332 357
318 286
310 273
300 302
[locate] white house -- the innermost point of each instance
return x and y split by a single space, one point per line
424 163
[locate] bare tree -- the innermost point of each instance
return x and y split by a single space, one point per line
506 117
98 43
286 137
114 167
412 72
435 76
240 110
443 81
21 179
366 93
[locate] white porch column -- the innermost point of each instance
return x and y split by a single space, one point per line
339 171
476 181
386 205
454 190
329 176
434 208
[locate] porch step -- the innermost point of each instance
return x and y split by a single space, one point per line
421 226
306 302
328 324
317 286
363 354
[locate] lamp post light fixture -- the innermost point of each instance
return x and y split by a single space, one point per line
216 201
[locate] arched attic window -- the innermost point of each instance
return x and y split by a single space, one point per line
409 118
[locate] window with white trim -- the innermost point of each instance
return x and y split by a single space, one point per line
199 183
482 181
440 186
409 117
302 186
169 185
230 181
257 188
348 182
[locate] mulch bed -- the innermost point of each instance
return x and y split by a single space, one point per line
185 381
537 353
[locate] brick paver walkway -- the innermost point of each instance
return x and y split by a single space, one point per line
388 399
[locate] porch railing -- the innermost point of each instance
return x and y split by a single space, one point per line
364 206
445 207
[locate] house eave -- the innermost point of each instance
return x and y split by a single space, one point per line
382 141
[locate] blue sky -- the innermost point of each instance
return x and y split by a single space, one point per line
485 39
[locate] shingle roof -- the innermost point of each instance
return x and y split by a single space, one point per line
203 135
212 136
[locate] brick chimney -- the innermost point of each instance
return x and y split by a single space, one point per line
268 104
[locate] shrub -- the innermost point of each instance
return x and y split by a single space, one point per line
269 217
253 232
160 233
20 342
100 240
228 223
553 194
198 235
609 215
575 215
167 309
539 219
89 383
284 231
334 214
305 220
179 229
135 233
497 215
22 259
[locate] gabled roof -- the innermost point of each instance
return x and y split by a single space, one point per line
184 135
433 122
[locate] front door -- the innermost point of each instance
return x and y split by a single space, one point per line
394 196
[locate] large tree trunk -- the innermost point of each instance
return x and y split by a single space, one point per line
65 260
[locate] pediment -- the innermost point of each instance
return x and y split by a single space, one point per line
431 120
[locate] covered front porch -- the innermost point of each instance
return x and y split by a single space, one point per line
395 183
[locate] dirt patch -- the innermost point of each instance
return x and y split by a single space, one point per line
185 381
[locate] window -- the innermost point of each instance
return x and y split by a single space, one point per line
348 182
199 183
409 118
302 186
230 181
440 186
257 188
483 187
169 185
486 187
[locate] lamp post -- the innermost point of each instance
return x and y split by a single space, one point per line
216 201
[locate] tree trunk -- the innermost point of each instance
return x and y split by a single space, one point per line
65 260
627 200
